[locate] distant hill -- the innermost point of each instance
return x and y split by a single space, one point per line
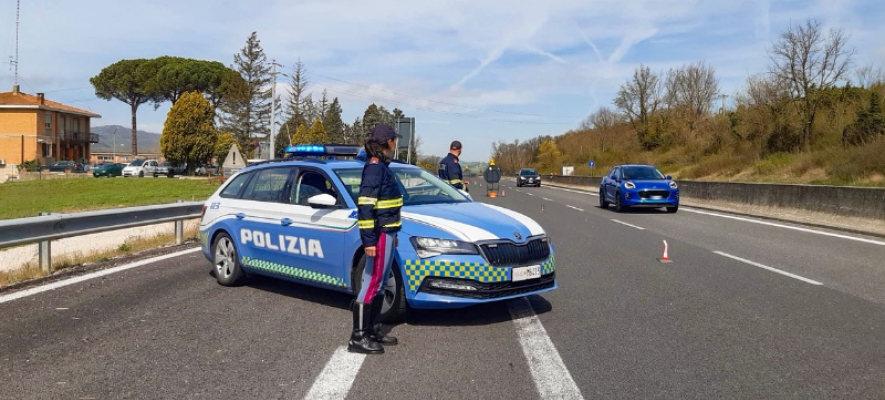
148 142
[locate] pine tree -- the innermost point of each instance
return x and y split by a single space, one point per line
301 136
333 123
248 119
189 134
298 88
317 133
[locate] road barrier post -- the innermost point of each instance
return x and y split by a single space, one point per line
45 253
179 229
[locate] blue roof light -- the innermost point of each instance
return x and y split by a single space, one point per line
323 150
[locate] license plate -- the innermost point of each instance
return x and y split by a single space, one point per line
526 273
657 197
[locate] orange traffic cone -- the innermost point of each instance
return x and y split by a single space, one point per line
666 257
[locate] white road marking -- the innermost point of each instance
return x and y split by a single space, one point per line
775 270
795 228
530 194
573 190
546 199
552 378
337 376
626 224
574 208
98 274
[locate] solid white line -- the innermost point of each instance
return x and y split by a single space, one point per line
775 270
530 194
338 375
795 228
98 274
626 224
552 378
573 190
574 208
546 199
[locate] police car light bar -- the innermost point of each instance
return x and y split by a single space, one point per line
323 150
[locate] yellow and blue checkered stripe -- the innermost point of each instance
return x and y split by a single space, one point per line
417 270
292 272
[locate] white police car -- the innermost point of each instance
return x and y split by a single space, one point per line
297 220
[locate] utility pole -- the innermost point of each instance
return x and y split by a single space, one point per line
273 114
15 62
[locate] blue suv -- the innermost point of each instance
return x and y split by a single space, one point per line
645 186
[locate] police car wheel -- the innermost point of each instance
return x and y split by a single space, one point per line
227 265
394 308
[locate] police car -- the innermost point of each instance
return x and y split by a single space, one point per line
296 219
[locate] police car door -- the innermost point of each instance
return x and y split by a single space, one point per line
259 211
320 232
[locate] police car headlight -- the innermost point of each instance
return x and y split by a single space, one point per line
431 247
630 185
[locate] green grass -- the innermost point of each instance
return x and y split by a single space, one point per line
28 198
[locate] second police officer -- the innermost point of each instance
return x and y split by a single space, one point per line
379 204
449 167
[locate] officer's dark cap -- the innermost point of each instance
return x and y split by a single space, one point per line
456 145
383 132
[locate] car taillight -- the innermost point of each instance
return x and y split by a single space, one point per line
203 211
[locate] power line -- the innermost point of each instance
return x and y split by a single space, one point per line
441 102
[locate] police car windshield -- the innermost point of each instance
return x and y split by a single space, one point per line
420 186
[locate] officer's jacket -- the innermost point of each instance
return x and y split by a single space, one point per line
379 202
492 174
450 171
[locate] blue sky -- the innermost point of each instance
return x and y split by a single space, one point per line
477 71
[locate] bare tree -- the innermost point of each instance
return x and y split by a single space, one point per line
867 76
809 62
692 87
603 121
640 99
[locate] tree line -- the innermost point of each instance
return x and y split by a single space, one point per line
231 104
810 99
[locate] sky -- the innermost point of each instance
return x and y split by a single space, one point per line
474 71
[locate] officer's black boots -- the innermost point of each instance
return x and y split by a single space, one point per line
362 340
378 330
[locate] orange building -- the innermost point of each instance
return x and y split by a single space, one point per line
34 128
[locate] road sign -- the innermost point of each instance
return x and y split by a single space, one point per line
591 164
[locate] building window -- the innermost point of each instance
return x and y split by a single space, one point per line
48 123
77 125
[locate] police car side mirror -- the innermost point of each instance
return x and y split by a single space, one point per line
323 201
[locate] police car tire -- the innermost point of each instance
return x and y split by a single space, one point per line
397 312
236 275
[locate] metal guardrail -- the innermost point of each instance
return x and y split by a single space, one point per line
47 227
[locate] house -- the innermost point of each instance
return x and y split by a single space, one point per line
34 128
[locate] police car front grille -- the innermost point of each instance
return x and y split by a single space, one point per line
509 254
495 290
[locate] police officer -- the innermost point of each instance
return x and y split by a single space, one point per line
450 169
379 204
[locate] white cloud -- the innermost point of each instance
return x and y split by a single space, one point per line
456 61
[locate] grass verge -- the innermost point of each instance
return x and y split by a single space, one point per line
28 198
33 271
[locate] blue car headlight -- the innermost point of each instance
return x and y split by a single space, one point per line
431 247
629 185
673 185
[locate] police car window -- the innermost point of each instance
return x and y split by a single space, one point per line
419 186
236 185
268 185
309 184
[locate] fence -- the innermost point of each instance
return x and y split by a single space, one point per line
47 227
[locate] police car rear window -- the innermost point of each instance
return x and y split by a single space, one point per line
236 185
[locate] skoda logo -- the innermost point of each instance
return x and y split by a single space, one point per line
517 235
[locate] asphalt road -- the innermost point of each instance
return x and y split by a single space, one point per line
745 310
